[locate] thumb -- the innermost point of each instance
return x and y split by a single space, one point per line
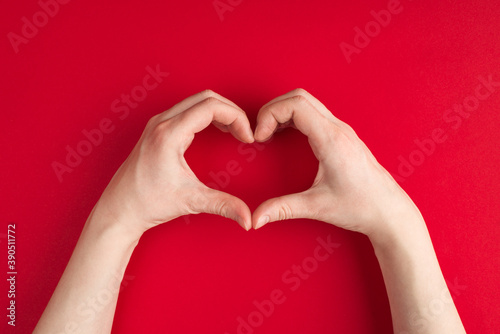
299 205
216 202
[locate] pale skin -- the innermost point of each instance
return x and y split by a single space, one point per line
155 185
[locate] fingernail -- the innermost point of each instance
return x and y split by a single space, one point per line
256 133
241 221
262 221
251 137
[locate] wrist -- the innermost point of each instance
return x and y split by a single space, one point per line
114 224
404 231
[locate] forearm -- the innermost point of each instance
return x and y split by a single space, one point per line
85 298
153 185
418 295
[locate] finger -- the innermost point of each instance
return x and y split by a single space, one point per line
220 203
299 205
314 101
199 116
191 101
222 127
305 117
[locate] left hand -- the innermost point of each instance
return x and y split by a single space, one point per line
155 183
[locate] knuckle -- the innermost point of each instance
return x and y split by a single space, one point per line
221 208
210 95
335 139
302 95
284 211
349 130
299 99
334 134
210 100
164 127
300 91
207 93
161 131
152 121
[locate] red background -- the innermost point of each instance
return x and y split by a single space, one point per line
198 275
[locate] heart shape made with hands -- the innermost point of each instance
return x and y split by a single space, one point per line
297 109
351 190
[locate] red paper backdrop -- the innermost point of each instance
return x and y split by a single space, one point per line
396 86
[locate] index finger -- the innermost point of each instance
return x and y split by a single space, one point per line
320 107
191 101
306 118
203 113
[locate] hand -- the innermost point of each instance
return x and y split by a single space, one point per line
351 189
155 184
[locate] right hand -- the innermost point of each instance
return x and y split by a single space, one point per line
351 189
